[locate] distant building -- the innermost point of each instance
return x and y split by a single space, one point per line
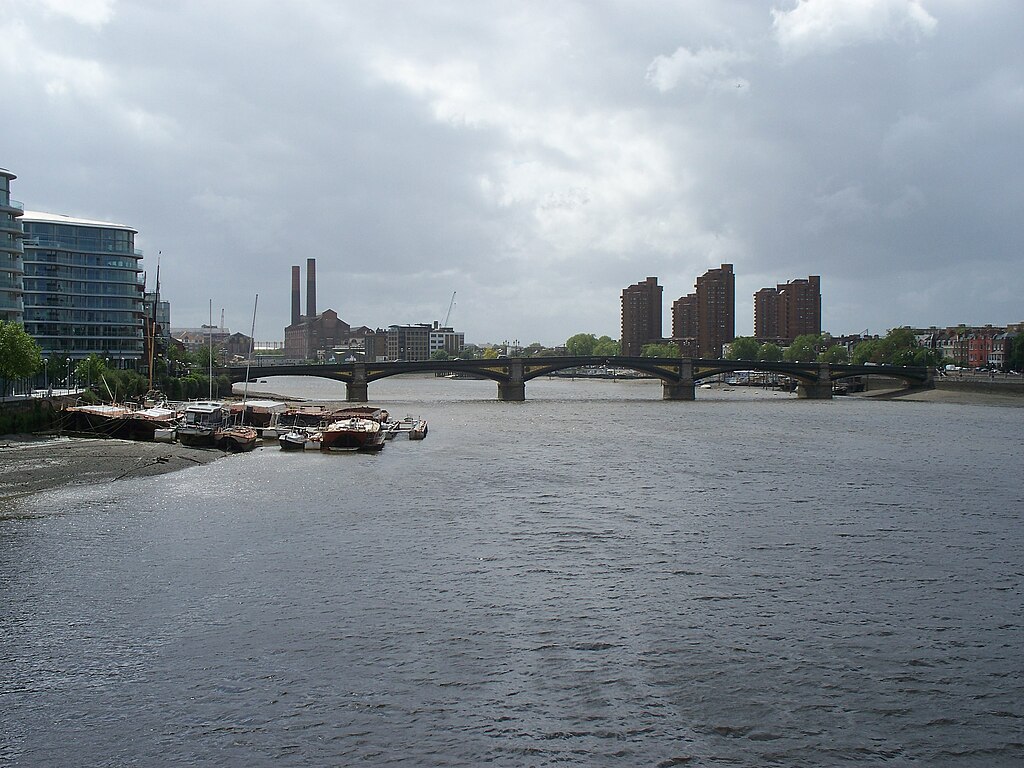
716 310
787 311
314 337
421 340
684 325
12 262
83 288
205 336
641 316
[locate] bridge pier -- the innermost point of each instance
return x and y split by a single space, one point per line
356 391
512 391
677 390
820 389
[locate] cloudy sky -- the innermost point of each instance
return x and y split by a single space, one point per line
535 157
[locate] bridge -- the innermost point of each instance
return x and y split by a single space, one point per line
679 376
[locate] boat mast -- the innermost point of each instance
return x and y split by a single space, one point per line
152 322
248 359
210 331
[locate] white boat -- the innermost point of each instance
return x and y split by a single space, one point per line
200 423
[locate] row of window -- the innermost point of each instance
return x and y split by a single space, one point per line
86 238
65 287
55 330
55 271
71 301
61 348
75 258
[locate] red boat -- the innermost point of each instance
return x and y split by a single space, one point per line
354 429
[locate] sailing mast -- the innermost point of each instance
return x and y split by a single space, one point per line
209 330
248 359
152 322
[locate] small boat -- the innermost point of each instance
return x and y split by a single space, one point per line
261 414
353 432
144 423
235 438
201 421
301 439
413 425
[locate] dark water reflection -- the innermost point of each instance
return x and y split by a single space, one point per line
594 577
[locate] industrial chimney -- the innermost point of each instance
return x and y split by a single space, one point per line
295 296
311 287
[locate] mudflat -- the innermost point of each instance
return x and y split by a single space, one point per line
29 464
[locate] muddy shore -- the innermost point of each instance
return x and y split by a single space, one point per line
30 464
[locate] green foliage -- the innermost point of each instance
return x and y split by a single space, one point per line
490 354
20 356
834 354
898 347
868 351
805 348
533 350
1015 360
581 345
769 353
438 354
607 347
743 348
659 350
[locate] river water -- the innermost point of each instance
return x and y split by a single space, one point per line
594 577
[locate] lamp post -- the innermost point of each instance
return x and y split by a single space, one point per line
69 375
46 378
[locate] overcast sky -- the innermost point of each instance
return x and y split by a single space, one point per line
534 157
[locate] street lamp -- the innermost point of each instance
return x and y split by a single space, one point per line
69 375
46 378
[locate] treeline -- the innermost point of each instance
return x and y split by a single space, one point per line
179 375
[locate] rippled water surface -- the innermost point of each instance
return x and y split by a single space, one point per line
593 577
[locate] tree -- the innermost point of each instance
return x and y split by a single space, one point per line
659 350
581 345
769 353
20 356
91 369
868 351
743 348
606 347
804 349
490 354
834 354
438 354
1015 360
533 350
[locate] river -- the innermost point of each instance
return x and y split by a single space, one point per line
593 577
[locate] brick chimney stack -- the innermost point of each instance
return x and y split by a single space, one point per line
311 287
295 295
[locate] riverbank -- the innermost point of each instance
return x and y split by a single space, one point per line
30 464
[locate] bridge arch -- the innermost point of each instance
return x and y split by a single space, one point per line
678 375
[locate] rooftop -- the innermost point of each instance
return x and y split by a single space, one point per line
60 218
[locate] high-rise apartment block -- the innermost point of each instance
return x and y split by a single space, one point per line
787 311
716 310
641 316
12 263
83 288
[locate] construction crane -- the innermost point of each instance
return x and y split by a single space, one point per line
450 305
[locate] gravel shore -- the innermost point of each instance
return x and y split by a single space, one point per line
29 465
